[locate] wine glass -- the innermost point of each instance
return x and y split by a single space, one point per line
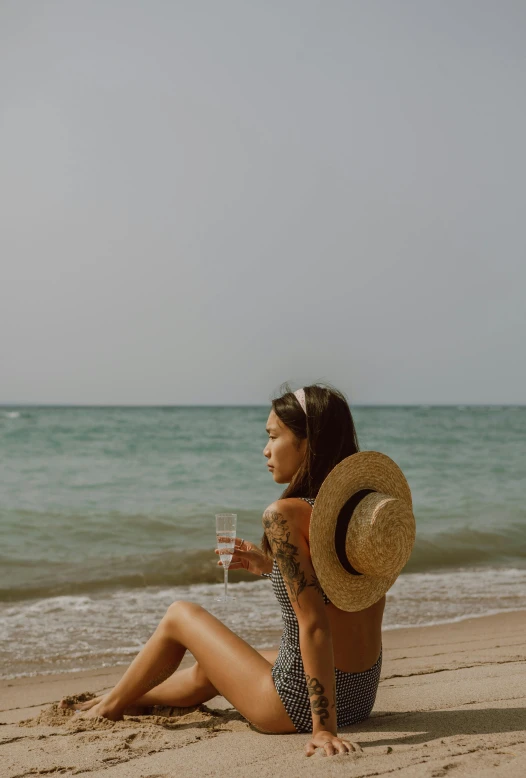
226 539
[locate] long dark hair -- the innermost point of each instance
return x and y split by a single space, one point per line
329 429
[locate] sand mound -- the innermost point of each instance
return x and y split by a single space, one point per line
168 717
74 699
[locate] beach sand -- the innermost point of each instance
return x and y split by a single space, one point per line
451 702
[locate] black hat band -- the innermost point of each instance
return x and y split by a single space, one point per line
342 523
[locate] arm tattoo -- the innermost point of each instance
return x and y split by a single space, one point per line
318 702
316 584
286 554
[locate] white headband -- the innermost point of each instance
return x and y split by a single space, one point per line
299 394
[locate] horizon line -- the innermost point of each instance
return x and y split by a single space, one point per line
258 405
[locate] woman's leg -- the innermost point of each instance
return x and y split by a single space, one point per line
183 689
232 667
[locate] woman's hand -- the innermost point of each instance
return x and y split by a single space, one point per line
331 744
248 556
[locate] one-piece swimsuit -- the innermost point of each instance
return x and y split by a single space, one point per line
355 692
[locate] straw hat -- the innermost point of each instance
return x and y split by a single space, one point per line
362 529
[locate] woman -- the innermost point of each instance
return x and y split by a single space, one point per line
324 653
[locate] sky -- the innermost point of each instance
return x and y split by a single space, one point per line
202 200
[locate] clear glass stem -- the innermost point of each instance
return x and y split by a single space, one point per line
226 579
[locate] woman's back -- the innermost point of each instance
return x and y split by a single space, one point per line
356 635
357 650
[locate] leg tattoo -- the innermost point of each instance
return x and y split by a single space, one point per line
153 682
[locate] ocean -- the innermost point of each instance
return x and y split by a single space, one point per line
107 516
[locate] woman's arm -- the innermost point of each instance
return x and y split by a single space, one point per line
291 551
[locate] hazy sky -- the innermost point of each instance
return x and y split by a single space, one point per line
202 199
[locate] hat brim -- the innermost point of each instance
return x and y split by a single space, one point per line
364 470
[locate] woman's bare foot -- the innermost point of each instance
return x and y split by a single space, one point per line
101 709
132 710
135 709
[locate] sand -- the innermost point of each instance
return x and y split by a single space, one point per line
451 702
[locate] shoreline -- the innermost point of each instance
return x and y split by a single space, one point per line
452 697
111 668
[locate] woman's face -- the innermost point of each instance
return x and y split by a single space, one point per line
281 450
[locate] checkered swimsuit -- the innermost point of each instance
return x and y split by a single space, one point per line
355 692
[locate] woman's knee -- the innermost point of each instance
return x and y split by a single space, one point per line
180 609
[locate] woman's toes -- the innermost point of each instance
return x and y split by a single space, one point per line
88 704
73 703
100 710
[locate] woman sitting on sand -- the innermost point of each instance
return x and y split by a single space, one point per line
326 672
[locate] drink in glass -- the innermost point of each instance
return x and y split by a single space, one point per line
226 538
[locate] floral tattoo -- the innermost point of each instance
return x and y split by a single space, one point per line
318 702
286 554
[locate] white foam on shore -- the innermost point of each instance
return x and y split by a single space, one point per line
74 633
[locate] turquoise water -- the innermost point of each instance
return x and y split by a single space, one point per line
101 506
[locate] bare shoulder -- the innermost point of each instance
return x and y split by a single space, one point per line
291 512
291 507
